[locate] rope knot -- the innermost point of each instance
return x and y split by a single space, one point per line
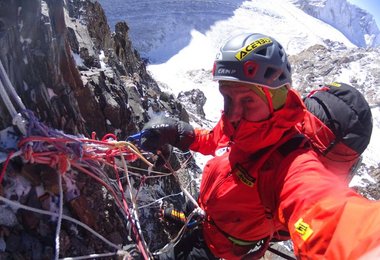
28 154
61 162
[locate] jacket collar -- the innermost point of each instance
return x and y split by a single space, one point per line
251 137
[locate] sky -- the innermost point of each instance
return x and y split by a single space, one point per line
372 6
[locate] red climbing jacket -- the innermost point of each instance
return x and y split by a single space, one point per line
251 193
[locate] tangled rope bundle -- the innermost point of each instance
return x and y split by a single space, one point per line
65 153
39 144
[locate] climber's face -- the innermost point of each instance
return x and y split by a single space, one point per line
241 102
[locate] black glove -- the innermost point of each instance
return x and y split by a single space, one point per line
165 130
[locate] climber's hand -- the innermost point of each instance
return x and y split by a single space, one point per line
164 130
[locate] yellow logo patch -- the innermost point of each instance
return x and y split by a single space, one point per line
335 84
244 176
251 47
303 229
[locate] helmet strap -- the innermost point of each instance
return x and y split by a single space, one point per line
268 95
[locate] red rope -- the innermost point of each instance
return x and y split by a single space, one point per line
5 166
63 163
108 136
142 182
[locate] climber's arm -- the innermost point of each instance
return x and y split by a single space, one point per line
326 219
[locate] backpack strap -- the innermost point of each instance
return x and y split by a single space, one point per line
331 123
298 140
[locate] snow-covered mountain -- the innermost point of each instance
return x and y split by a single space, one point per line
355 23
157 26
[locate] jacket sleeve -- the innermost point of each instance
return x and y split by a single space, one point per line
326 219
204 142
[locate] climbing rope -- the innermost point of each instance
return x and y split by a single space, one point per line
174 173
7 92
11 90
59 221
65 153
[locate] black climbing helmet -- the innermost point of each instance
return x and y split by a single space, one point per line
254 59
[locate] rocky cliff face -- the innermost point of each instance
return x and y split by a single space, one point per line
67 67
77 77
319 64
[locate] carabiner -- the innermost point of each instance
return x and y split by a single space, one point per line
136 138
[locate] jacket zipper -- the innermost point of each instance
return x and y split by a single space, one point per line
223 179
218 184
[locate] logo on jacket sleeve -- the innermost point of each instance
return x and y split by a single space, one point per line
303 229
243 175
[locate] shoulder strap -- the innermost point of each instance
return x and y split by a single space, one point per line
292 144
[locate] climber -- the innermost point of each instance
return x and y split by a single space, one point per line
265 181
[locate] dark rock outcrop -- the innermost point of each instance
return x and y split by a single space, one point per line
195 100
69 68
320 64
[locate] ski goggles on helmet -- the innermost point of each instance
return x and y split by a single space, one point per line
275 98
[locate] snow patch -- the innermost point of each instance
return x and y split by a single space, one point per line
78 60
3 245
25 86
117 131
17 187
51 93
25 40
101 59
371 154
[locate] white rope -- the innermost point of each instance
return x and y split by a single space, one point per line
8 85
134 207
123 253
89 256
184 190
59 221
159 201
18 205
17 119
7 102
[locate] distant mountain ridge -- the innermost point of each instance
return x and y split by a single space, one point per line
356 24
